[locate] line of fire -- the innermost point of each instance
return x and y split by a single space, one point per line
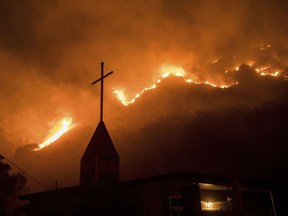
100 191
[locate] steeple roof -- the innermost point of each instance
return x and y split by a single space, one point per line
100 145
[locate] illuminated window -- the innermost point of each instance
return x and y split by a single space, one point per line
215 197
214 206
209 205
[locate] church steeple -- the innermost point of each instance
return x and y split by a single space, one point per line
100 161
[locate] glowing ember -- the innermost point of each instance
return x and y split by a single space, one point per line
267 71
261 70
165 71
56 132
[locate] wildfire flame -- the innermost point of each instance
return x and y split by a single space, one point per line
165 71
172 70
57 131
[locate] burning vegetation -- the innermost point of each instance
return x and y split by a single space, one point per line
60 128
193 77
50 53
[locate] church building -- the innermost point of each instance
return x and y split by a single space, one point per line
175 194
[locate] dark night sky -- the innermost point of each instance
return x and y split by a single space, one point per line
50 52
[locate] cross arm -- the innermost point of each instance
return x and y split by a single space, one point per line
102 77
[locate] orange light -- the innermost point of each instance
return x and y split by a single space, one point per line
57 131
209 205
165 71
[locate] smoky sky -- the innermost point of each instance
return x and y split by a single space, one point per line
50 52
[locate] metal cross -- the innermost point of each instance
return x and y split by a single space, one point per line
102 86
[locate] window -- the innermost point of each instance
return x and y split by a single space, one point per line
215 197
176 213
176 206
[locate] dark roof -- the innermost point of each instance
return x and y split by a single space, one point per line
68 192
191 176
100 145
184 175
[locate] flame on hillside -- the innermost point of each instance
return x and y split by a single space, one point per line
172 70
165 71
61 127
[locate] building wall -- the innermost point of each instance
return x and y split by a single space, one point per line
129 200
62 205
156 196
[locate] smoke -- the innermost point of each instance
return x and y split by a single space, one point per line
50 52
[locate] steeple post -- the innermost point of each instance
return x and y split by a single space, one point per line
102 87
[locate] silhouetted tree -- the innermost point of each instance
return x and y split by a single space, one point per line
10 185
